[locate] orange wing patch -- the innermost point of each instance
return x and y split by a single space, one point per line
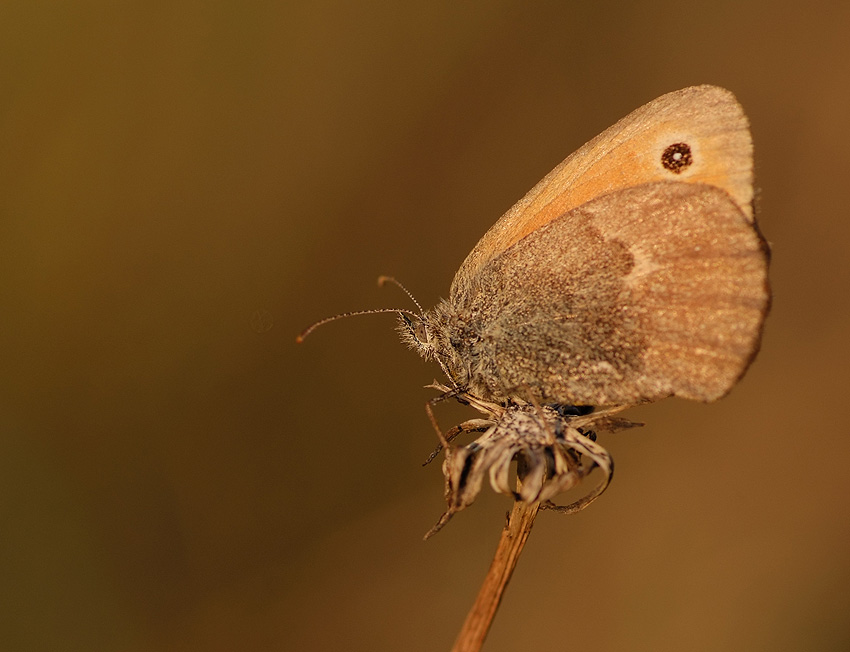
695 135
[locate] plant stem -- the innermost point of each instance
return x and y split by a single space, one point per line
513 539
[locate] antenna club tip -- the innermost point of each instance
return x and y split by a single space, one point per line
299 339
382 280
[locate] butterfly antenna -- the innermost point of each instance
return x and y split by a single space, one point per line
313 327
382 280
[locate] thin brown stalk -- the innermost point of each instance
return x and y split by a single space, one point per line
513 539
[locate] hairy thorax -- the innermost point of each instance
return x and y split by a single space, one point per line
463 345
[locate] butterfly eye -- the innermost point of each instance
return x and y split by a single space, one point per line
420 332
677 157
416 328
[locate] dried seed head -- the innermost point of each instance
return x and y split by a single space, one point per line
551 452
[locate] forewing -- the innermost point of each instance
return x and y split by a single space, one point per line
640 148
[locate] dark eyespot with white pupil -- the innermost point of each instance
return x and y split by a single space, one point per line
677 157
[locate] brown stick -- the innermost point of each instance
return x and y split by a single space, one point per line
513 539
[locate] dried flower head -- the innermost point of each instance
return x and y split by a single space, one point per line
553 446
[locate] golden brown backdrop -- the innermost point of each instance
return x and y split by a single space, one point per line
184 186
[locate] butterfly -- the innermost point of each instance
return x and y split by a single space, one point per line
632 272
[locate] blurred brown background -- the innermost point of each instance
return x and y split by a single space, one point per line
184 186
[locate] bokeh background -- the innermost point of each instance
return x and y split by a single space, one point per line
185 185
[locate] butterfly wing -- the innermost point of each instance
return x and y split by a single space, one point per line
652 291
696 135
